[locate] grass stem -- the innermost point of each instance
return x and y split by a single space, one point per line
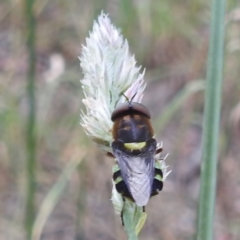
211 122
30 138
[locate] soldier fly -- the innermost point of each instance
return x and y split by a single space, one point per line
137 176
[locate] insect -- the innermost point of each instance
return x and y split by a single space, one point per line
136 175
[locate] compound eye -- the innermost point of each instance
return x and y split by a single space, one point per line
140 108
120 111
130 108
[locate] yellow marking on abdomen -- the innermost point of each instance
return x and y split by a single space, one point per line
135 145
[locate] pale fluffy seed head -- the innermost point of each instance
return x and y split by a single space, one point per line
109 71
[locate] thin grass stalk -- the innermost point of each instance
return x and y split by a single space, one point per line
129 223
211 122
30 138
52 198
81 202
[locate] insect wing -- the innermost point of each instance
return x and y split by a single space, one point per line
137 171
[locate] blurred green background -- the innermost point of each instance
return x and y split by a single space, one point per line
73 178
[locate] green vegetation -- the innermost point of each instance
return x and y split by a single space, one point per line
211 121
170 39
31 134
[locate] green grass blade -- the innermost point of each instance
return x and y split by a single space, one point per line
31 138
211 122
52 198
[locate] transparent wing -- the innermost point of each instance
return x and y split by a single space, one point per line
137 170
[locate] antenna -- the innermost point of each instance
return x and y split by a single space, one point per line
125 97
133 96
130 106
